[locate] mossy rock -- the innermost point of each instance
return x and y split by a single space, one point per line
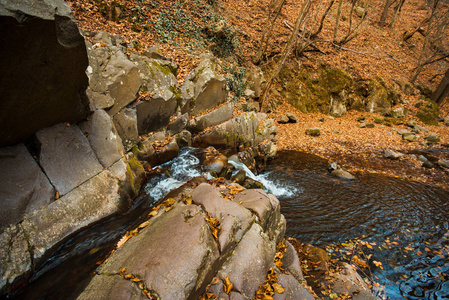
428 112
336 80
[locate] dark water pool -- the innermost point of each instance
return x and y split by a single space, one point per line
405 222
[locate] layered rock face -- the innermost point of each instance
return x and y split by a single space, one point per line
181 253
43 59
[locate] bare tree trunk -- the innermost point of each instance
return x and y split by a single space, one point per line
384 15
287 50
337 21
424 46
268 30
408 35
397 11
322 19
442 90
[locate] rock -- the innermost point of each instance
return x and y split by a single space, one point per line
399 112
103 138
403 131
444 163
154 114
313 131
178 125
97 93
155 53
158 77
321 119
214 161
378 100
244 130
34 94
292 118
428 164
265 207
409 137
370 125
412 123
248 265
15 257
293 290
84 205
239 177
66 157
166 153
253 106
215 117
360 11
112 287
428 112
126 124
336 170
362 125
184 138
283 119
175 272
348 277
290 262
446 121
234 219
250 183
23 185
204 88
255 81
432 138
391 154
122 80
420 128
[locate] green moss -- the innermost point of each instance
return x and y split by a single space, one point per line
428 112
378 121
167 70
176 91
370 125
335 80
197 76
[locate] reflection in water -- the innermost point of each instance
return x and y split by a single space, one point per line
328 210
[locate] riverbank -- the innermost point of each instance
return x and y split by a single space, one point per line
362 149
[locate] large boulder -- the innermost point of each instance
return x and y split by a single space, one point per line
245 130
158 79
255 81
103 138
378 100
174 256
204 88
43 59
126 124
234 219
66 157
23 185
213 118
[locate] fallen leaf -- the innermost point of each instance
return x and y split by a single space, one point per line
227 285
143 225
278 288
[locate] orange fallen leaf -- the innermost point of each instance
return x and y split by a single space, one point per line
227 285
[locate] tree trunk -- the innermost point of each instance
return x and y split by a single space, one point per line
442 90
287 50
384 15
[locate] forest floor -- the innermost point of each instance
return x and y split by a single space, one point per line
376 51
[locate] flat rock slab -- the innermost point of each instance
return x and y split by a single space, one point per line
213 118
23 185
265 206
90 202
112 287
248 265
234 219
103 138
125 122
293 289
66 157
290 262
174 255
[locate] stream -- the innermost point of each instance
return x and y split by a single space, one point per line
405 223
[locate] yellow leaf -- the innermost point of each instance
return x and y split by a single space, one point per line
227 285
333 296
153 213
122 271
169 208
128 276
123 240
135 279
278 288
143 225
